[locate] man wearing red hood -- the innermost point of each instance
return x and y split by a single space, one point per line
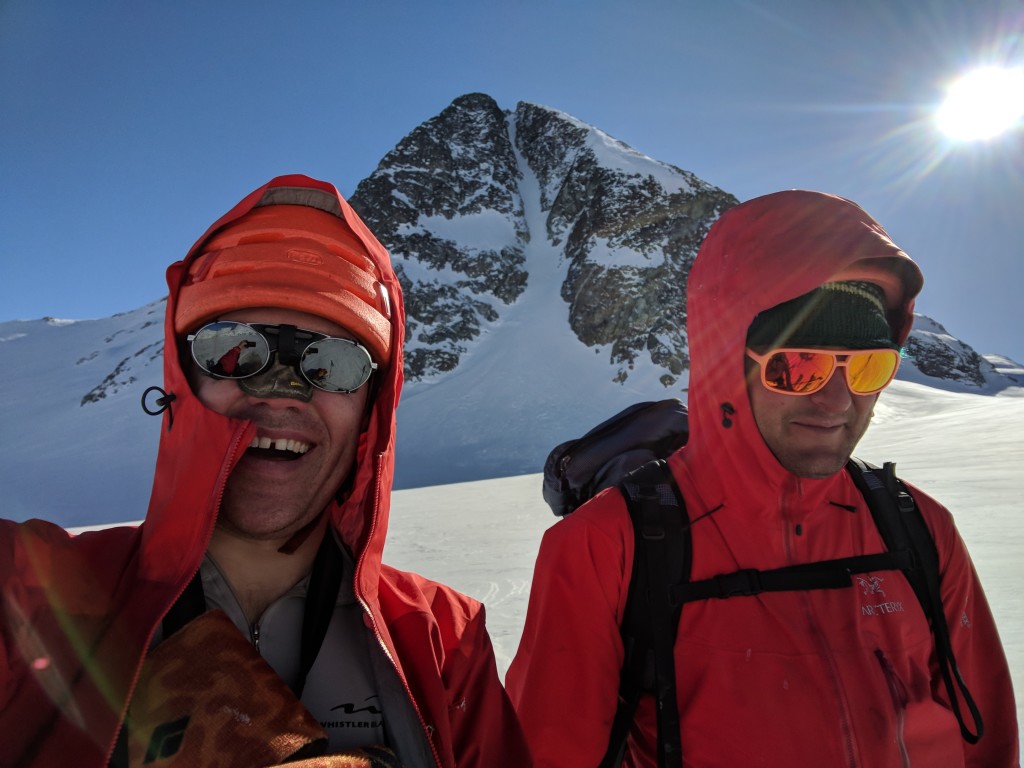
798 303
249 620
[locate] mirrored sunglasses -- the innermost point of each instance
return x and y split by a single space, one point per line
805 371
227 349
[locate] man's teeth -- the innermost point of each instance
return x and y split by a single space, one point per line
280 444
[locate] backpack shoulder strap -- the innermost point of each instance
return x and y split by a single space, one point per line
662 554
902 526
190 604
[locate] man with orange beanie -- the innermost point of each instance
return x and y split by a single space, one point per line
249 621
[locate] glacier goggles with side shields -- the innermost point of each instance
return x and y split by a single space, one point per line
806 371
228 349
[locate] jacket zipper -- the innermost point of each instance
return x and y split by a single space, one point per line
373 619
222 480
254 634
899 697
845 727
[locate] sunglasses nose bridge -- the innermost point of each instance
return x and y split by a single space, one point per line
843 361
288 352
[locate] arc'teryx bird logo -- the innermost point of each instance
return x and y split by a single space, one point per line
872 585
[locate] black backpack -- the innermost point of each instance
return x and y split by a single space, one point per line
628 450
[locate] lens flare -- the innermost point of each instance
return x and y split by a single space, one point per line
983 104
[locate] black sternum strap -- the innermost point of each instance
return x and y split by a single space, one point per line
827 574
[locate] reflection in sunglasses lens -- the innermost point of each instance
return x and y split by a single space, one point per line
869 371
337 365
230 350
798 371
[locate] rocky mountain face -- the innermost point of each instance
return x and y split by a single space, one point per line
456 165
938 357
626 228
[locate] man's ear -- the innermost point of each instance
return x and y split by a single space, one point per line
751 374
371 398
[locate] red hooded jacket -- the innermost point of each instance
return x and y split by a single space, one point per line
843 677
78 612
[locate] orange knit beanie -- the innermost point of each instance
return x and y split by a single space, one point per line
292 257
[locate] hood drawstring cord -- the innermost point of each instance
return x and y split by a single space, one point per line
162 403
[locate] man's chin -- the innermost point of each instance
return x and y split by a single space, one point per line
816 465
269 525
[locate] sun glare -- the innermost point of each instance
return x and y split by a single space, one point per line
983 104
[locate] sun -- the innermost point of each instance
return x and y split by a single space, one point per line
983 104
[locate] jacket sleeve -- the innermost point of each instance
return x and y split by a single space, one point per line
564 679
8 602
976 645
485 729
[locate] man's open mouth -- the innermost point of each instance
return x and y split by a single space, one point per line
281 448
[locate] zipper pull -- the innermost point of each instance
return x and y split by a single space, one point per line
254 632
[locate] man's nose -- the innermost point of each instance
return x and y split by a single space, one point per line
835 396
278 381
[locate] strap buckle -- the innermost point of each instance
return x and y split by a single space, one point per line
741 583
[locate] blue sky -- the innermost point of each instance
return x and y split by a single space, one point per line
127 127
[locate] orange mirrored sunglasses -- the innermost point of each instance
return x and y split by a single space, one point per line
805 371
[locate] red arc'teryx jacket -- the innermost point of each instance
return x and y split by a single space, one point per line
842 677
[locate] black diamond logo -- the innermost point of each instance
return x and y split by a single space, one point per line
166 740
